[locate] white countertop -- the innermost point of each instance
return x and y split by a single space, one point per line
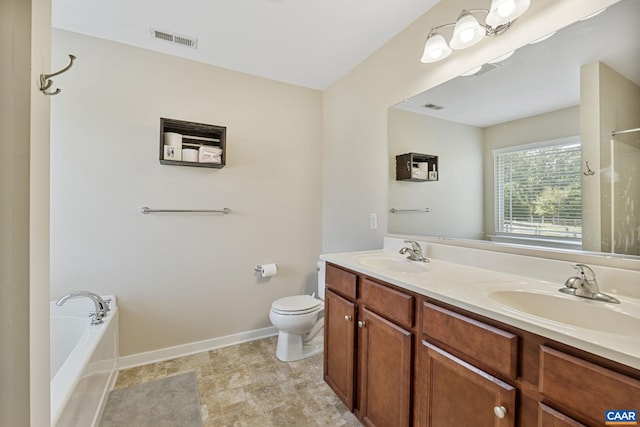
470 287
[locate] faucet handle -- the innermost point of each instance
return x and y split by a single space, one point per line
583 269
415 246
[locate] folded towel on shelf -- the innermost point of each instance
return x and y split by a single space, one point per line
209 154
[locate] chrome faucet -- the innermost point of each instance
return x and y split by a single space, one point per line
585 285
415 252
101 305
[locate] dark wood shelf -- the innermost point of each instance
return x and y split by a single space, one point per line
406 162
194 135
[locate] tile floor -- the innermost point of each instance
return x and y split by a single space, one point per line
246 385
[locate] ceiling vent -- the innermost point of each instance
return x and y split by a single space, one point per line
433 107
486 68
179 39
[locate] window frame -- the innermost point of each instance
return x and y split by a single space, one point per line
499 194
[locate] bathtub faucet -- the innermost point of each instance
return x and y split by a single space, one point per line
101 305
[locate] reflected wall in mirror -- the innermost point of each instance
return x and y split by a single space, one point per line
514 140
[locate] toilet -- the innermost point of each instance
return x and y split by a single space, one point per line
300 323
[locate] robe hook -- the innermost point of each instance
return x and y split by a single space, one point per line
589 172
46 82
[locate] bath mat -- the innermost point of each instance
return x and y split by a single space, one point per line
170 402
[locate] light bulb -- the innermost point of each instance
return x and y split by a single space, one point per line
506 8
435 48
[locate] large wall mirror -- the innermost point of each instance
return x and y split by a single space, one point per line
525 148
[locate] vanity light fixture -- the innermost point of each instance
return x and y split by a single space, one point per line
543 38
501 57
467 30
472 71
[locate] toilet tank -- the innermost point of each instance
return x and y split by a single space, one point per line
321 276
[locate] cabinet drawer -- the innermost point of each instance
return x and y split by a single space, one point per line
585 389
390 303
485 345
341 281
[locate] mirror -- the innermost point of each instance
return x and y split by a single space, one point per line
574 88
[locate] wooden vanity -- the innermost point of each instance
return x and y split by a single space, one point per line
398 358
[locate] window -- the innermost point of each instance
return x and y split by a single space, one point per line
538 190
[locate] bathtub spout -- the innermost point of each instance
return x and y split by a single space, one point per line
101 306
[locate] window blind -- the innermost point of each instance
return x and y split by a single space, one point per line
538 190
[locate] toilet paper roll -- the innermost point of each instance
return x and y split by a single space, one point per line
173 139
189 155
269 270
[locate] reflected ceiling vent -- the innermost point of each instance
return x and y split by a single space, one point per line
486 68
179 39
433 107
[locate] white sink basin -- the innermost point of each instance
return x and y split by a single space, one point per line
391 263
574 311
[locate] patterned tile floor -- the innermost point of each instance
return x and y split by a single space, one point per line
246 385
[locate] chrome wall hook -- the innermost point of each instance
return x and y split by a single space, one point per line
589 172
46 82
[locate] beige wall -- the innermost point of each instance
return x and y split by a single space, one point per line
355 111
24 209
181 278
542 127
456 198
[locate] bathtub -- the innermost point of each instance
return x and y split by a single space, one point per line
84 361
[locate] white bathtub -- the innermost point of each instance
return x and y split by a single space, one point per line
84 361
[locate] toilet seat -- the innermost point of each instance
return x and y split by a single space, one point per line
296 305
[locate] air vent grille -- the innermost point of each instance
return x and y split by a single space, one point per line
179 39
433 107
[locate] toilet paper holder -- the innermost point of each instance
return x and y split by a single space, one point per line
266 270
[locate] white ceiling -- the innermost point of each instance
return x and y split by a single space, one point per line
540 77
310 43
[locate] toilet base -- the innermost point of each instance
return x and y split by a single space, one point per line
291 347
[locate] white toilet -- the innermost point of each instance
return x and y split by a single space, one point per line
300 323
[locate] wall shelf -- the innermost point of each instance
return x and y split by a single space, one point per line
194 135
408 167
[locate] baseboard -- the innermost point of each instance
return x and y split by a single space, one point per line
193 348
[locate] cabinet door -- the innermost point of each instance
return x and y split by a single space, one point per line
386 372
455 393
339 346
548 417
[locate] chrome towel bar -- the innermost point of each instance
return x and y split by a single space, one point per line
145 210
425 210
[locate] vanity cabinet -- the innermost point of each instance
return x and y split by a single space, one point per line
397 358
339 346
369 347
549 417
453 391
584 389
457 393
386 352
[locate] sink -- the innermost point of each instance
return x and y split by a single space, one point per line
392 263
574 311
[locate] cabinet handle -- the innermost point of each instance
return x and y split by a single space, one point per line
500 411
361 323
347 318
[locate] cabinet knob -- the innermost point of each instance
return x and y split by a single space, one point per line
500 411
361 323
347 318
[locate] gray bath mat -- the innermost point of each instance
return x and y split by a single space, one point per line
170 402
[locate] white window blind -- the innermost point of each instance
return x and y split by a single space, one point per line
538 190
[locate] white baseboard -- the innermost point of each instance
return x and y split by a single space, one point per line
193 348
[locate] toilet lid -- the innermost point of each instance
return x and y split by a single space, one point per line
296 304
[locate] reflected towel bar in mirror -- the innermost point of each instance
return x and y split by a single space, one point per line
425 210
146 210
